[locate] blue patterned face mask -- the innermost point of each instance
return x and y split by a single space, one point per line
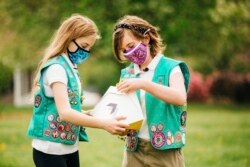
78 56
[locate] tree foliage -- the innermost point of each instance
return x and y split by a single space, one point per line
209 35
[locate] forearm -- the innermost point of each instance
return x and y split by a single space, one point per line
113 126
81 119
165 93
68 114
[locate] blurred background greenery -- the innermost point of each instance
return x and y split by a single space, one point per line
211 36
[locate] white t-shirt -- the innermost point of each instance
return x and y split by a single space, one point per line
55 73
144 133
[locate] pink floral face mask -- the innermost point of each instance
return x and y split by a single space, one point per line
137 54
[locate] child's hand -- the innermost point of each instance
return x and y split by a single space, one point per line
129 85
116 126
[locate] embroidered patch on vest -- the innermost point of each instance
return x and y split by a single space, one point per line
52 125
170 138
55 134
183 138
183 119
178 137
131 140
72 96
50 117
158 138
58 119
160 80
38 100
73 137
67 127
63 135
58 128
73 128
47 132
73 101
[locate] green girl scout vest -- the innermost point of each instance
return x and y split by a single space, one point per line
45 123
166 122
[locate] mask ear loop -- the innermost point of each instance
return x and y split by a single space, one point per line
80 47
146 32
76 44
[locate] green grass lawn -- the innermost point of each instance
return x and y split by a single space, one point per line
217 136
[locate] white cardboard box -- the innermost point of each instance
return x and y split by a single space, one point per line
114 103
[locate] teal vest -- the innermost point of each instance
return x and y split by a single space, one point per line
166 122
45 123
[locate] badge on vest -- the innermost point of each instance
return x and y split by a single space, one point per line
158 138
160 80
38 100
183 119
72 96
132 141
58 128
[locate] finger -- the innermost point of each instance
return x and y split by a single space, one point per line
123 125
120 117
122 90
125 89
118 85
121 87
120 130
123 84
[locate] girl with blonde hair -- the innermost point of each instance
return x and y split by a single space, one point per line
57 122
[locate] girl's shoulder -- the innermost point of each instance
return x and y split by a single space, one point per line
54 60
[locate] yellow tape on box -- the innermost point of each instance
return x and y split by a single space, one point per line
114 103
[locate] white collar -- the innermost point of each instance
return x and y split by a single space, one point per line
152 65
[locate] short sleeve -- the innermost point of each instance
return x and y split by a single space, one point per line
56 73
176 70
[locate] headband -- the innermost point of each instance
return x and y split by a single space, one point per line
136 28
